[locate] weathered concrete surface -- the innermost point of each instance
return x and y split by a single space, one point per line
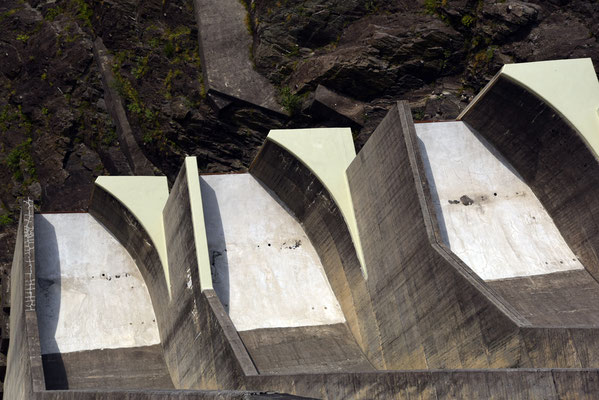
432 311
91 294
122 223
225 51
324 223
552 158
123 368
487 215
138 162
166 395
180 319
559 299
212 354
326 152
265 270
330 106
569 85
24 374
305 350
190 328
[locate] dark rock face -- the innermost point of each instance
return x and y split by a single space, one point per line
413 49
384 55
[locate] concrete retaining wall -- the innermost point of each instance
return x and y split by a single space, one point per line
24 373
432 310
199 327
421 306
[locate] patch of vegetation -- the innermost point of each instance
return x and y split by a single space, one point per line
23 37
52 13
432 6
172 40
418 115
20 162
126 90
9 13
371 6
468 20
292 103
169 49
482 58
5 220
84 12
141 68
168 81
10 115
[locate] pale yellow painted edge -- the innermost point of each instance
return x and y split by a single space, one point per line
575 95
336 160
197 220
144 197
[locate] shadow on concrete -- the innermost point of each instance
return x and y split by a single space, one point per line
217 244
434 194
48 289
500 157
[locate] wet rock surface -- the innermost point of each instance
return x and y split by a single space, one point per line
57 135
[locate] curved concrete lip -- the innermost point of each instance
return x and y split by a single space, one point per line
569 86
145 197
327 152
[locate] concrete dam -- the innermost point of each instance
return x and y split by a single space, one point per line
451 259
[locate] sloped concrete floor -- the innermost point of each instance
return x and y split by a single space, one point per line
90 293
264 268
488 216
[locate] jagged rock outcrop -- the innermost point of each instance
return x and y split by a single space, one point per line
384 56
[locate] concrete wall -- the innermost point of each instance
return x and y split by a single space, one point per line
487 215
81 266
190 335
446 384
131 234
163 395
491 219
24 373
205 349
432 310
421 306
550 155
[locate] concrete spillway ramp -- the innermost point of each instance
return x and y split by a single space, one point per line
96 321
270 279
493 221
226 61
